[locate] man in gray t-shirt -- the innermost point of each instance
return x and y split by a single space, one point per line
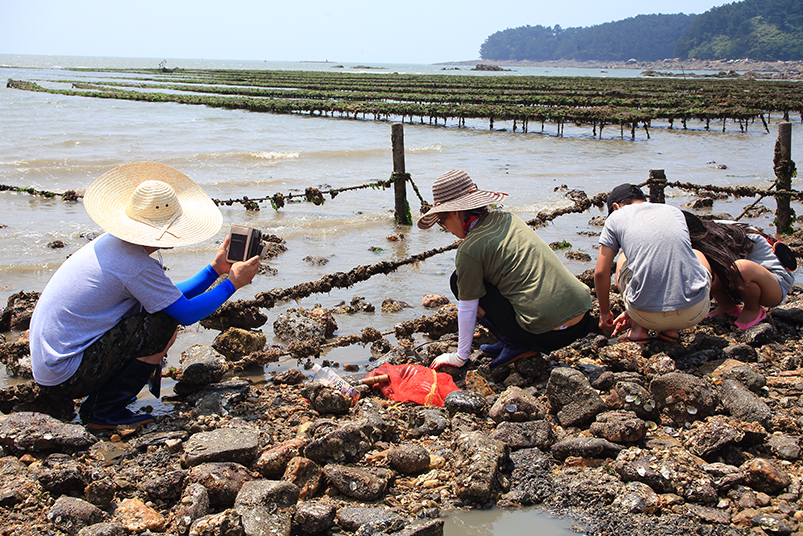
664 282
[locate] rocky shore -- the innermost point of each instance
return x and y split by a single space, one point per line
791 70
701 437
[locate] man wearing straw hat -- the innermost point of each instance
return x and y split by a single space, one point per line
106 319
506 276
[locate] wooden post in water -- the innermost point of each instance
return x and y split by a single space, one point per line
402 212
657 184
784 170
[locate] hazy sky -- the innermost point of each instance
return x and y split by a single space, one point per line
407 31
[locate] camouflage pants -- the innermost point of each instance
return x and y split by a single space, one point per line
139 335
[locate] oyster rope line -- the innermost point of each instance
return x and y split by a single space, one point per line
277 200
267 300
72 195
69 195
735 191
311 194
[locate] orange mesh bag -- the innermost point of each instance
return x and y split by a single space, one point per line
415 383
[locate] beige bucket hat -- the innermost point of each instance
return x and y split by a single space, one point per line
454 190
152 205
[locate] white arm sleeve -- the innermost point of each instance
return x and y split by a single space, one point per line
466 322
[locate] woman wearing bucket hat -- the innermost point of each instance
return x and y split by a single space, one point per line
106 319
506 276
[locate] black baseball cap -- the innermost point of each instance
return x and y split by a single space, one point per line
622 192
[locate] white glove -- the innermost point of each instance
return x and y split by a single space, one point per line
451 359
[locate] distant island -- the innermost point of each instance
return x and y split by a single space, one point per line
751 29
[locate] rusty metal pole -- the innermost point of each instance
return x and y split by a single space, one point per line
402 211
657 184
784 170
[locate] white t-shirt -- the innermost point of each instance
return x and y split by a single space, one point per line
100 284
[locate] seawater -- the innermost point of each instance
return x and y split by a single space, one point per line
57 143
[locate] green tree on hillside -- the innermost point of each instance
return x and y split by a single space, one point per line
645 37
757 29
525 42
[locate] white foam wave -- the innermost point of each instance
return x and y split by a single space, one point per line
285 155
258 155
436 148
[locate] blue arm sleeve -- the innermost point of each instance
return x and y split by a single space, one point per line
191 311
198 283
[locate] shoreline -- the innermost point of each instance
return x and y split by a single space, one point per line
716 66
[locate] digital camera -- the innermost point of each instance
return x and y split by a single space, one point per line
245 242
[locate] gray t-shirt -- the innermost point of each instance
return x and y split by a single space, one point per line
654 238
89 294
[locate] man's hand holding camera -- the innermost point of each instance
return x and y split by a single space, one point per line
240 273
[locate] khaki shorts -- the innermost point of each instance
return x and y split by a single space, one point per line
664 320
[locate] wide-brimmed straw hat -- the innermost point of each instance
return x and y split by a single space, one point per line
152 205
454 190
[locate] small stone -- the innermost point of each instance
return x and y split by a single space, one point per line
136 517
314 260
772 525
580 256
784 446
305 474
234 343
431 301
314 517
765 476
71 514
464 402
619 427
409 459
516 405
103 529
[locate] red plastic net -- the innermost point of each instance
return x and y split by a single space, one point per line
415 383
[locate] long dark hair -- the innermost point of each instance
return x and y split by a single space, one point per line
722 244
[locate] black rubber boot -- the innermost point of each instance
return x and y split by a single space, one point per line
506 351
87 406
497 347
109 408
492 349
510 354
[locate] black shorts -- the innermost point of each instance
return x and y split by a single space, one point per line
138 335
